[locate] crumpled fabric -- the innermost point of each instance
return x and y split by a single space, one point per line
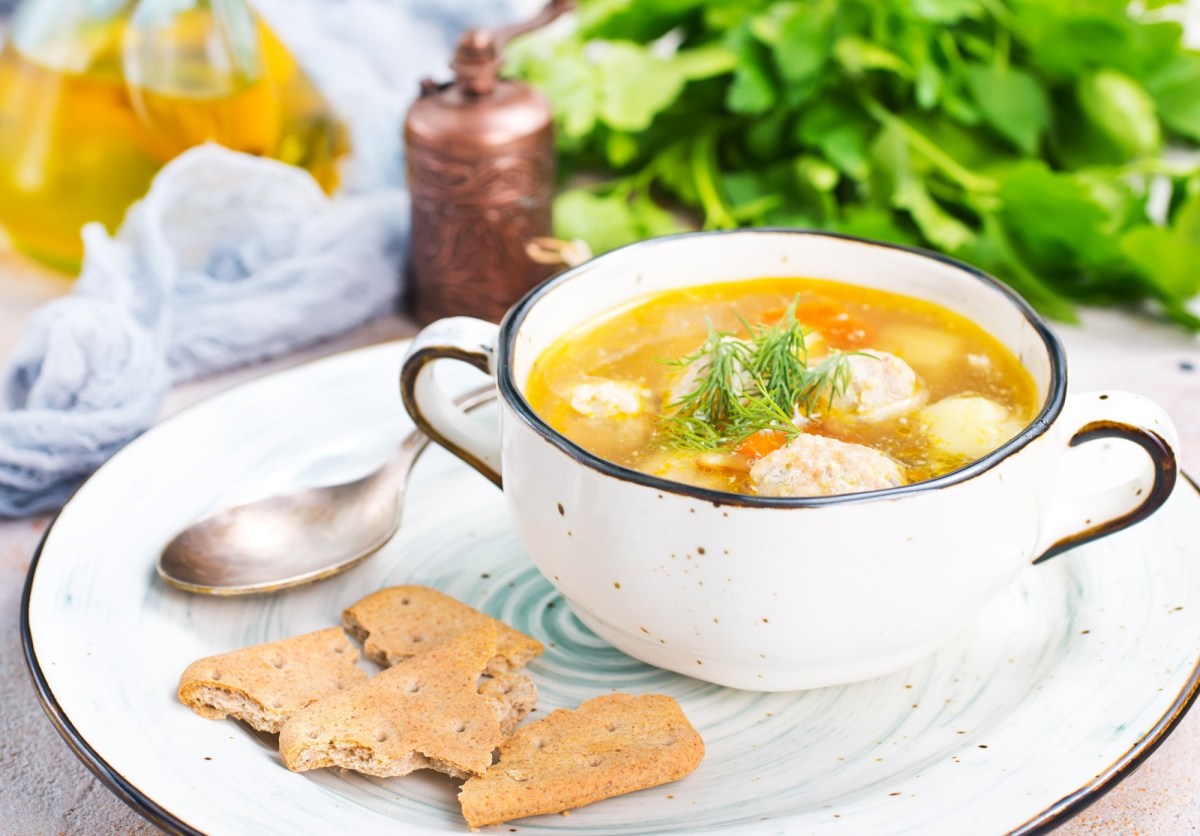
230 259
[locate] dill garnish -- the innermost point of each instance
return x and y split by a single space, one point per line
721 366
743 386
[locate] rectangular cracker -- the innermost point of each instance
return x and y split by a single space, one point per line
265 684
609 746
425 712
401 621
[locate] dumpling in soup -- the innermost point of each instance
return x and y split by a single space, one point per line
608 399
968 425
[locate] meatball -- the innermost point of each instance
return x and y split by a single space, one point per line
881 386
609 399
813 465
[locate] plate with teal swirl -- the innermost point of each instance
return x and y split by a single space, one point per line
1056 691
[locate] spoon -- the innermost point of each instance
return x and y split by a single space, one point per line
296 538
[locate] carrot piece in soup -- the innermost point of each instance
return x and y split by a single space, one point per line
761 443
830 318
841 328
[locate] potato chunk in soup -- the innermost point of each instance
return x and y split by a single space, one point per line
784 387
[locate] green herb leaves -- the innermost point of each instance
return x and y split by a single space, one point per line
732 388
1011 101
1022 135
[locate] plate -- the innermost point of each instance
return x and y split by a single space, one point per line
1059 689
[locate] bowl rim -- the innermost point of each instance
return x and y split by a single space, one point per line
515 399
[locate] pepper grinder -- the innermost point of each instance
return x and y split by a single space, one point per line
481 166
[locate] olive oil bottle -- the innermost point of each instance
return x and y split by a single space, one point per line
211 71
71 148
97 95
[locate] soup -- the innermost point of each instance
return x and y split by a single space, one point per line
784 387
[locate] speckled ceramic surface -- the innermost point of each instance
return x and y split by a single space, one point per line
778 593
1058 686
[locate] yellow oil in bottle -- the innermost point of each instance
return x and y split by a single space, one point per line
262 103
310 136
246 120
71 151
82 144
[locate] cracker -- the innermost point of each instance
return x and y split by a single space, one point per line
609 746
401 621
426 712
265 684
513 695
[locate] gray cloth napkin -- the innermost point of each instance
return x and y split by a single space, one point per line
229 259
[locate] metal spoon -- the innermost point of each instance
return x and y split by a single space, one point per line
300 537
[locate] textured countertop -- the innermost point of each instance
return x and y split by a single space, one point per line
44 789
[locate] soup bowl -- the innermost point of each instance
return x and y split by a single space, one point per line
778 594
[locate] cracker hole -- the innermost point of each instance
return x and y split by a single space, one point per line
594 762
277 704
612 727
381 735
418 639
404 602
341 686
339 649
506 688
460 728
413 687
215 675
313 734
275 662
539 744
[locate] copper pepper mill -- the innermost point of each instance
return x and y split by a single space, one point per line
481 165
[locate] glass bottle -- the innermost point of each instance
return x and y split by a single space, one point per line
71 148
97 95
211 71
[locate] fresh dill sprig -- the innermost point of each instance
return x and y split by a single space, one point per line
780 360
721 366
828 378
743 386
687 432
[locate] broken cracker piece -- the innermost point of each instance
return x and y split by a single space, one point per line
513 695
609 746
399 622
426 712
265 684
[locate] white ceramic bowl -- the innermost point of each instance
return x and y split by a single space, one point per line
785 593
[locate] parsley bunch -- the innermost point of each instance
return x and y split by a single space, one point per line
1024 136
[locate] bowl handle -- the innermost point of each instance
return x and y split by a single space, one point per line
1078 519
468 340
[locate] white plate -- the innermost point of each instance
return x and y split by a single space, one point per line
1057 691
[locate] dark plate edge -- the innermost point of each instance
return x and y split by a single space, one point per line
141 803
1045 821
1070 805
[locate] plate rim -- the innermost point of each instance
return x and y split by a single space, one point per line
142 804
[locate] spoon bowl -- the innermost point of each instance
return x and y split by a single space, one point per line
295 538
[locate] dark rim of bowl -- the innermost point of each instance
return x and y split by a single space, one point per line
512 395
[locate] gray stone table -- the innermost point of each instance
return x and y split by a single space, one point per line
44 789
